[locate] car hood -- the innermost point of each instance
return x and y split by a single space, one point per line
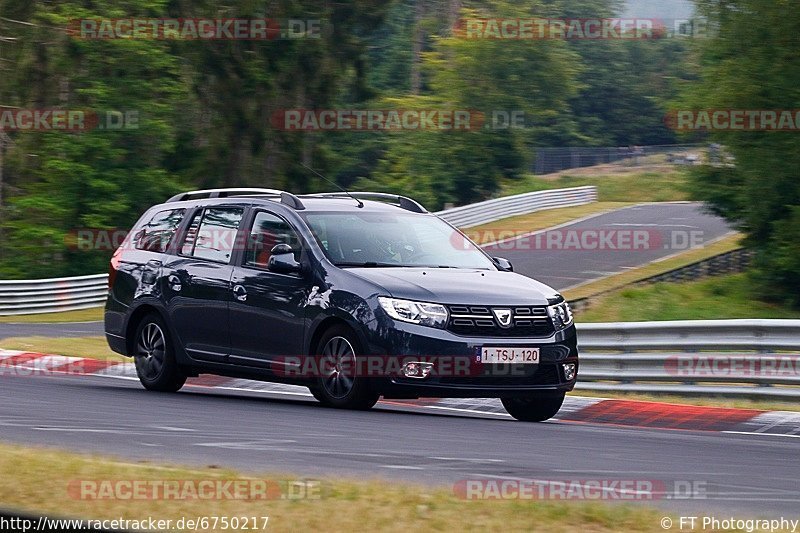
458 286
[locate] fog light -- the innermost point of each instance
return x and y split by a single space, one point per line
569 371
417 370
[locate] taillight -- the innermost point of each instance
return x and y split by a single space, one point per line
113 267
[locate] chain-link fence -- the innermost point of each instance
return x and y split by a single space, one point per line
549 160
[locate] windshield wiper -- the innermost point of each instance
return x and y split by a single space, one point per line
375 264
369 264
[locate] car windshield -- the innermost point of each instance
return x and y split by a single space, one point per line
394 240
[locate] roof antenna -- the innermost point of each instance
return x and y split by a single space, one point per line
359 202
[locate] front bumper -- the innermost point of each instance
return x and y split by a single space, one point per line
479 380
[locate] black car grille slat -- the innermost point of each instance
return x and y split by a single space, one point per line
480 320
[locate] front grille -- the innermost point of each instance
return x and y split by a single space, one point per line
481 321
542 374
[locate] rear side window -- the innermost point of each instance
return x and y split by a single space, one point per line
212 234
156 235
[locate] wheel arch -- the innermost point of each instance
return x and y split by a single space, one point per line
326 324
135 319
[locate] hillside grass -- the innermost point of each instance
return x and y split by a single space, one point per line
614 184
716 298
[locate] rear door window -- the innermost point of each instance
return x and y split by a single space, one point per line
212 234
156 235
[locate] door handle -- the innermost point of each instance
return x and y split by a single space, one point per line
174 283
240 293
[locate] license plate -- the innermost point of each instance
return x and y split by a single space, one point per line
529 356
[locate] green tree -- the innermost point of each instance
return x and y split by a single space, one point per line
751 63
93 179
534 79
203 107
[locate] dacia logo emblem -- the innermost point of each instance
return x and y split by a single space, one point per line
503 317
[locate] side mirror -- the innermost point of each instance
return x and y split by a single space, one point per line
504 264
282 260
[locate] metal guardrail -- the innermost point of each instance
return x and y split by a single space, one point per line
732 262
728 358
474 214
23 297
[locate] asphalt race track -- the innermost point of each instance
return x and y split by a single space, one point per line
558 268
743 475
665 228
68 329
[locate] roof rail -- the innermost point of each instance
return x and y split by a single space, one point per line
292 201
286 198
402 201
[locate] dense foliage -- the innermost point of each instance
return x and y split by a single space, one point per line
206 110
752 63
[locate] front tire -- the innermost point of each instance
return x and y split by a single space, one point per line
534 408
341 388
154 357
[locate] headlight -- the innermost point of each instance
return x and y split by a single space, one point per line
560 314
426 314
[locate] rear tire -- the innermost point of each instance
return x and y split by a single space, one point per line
154 356
341 389
534 408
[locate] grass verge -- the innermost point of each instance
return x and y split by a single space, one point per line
94 314
716 298
91 347
511 226
659 183
617 281
37 481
